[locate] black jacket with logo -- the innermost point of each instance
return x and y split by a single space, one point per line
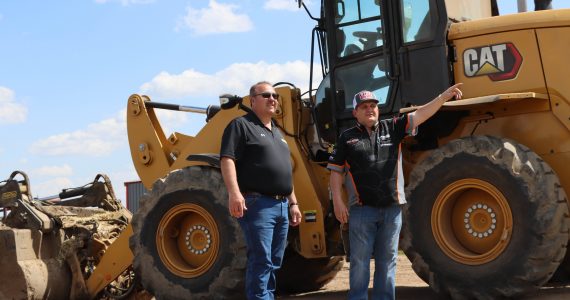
372 163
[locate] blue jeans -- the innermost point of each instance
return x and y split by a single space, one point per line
265 224
373 231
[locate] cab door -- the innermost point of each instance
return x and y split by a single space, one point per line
423 57
357 57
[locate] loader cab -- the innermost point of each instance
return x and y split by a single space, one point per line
395 49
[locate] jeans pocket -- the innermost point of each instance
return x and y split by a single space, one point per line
250 200
394 214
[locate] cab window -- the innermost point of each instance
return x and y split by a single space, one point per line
368 75
358 26
417 21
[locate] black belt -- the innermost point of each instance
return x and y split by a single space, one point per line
276 197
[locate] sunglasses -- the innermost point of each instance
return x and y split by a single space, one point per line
268 95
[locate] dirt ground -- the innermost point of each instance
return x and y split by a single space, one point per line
408 287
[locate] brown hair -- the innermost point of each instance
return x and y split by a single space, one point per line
253 87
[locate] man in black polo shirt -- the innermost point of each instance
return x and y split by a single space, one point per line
369 157
257 173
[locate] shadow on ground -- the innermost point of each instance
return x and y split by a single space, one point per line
402 293
425 293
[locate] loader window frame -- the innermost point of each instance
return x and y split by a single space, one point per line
358 26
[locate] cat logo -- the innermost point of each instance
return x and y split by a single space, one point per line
499 61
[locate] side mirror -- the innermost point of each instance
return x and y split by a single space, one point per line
228 101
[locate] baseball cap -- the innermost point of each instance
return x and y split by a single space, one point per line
363 96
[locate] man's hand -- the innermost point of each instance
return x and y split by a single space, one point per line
340 212
452 92
236 202
295 215
427 110
237 206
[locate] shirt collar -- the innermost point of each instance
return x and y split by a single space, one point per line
362 127
253 117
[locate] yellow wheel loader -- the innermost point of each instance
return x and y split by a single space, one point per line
487 213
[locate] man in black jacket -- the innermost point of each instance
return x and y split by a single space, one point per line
369 158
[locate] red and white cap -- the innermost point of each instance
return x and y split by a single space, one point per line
363 96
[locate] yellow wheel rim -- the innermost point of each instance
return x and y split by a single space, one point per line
187 240
471 221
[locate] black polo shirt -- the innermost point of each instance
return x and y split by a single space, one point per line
372 163
261 155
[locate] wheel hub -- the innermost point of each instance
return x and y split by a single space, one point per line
480 220
471 221
187 240
198 239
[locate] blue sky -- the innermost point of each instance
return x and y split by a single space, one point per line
68 67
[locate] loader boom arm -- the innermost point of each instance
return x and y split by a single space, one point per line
118 257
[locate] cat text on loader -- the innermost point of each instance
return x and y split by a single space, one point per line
487 213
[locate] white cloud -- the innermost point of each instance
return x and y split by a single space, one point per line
101 138
166 85
194 88
281 5
125 2
52 171
106 136
98 139
235 79
10 110
217 18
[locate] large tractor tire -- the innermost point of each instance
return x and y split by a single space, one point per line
300 275
487 218
186 244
